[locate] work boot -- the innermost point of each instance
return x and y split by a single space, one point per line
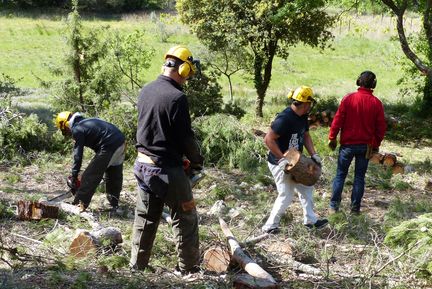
178 271
332 211
321 223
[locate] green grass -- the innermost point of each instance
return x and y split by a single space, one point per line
28 43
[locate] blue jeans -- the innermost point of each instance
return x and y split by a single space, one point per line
346 155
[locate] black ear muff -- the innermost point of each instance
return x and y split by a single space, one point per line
374 83
184 69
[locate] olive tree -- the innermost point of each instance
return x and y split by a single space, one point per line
265 27
422 58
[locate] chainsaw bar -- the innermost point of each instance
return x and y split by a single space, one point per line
62 197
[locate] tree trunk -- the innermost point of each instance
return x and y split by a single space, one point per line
303 169
245 261
427 95
230 89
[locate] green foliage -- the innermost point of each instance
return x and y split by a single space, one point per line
6 211
162 29
89 82
90 5
82 281
131 57
400 210
415 234
354 227
114 262
360 7
266 28
20 136
124 117
227 143
233 108
204 94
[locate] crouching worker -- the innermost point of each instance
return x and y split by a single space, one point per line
108 143
290 129
164 136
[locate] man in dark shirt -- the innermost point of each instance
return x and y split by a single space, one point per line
290 129
361 123
164 137
108 142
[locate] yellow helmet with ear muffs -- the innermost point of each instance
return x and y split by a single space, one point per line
188 67
62 120
302 94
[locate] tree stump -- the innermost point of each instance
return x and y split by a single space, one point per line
216 259
32 210
303 169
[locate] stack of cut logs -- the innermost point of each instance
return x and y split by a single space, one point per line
323 118
389 160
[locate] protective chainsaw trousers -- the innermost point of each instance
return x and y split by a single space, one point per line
158 187
107 164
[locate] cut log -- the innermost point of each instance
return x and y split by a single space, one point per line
303 169
99 237
398 168
216 259
389 160
87 242
32 210
245 261
376 158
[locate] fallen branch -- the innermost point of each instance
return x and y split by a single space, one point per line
246 262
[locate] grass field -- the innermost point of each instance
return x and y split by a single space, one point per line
30 42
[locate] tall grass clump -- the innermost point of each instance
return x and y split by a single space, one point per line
225 142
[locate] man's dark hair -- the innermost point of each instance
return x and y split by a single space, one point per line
367 79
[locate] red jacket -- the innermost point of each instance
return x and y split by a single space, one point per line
360 119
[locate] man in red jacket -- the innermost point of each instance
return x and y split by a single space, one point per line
360 119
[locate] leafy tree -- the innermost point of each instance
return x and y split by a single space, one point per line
422 59
131 57
89 81
204 94
266 27
228 61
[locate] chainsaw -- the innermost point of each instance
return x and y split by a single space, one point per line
195 176
71 192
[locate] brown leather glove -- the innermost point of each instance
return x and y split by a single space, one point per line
332 144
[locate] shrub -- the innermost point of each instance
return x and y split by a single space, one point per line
225 142
125 118
204 94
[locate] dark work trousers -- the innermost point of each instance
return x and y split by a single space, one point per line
93 174
157 187
346 155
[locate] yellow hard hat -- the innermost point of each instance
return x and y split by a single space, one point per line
302 94
62 120
187 68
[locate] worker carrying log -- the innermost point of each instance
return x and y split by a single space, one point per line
360 120
108 143
290 129
164 136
